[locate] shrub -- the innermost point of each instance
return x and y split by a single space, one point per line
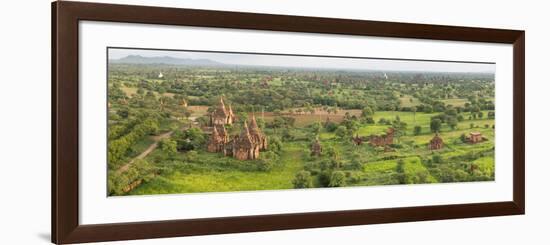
331 126
324 178
275 144
437 158
325 164
169 146
265 165
368 120
337 179
382 121
463 138
341 132
355 165
417 130
302 180
353 176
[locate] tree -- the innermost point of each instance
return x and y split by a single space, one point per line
331 126
400 169
302 180
123 112
140 91
190 139
428 109
480 115
417 130
452 122
287 135
399 128
368 120
356 164
242 116
367 111
435 125
341 132
437 158
316 128
275 144
463 138
169 146
337 179
261 122
333 153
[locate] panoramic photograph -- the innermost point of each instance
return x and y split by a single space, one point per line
202 121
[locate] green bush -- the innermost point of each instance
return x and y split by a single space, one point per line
437 158
302 180
337 179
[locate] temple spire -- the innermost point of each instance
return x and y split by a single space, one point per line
253 123
222 105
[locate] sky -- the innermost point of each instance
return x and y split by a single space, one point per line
311 62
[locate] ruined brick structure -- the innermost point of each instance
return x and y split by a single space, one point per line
218 139
357 140
382 140
436 143
222 115
183 103
475 137
258 138
245 146
316 148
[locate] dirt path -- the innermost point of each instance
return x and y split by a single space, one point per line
147 151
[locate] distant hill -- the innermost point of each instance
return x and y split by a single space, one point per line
138 59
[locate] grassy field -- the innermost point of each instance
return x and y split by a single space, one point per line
409 101
131 91
220 180
218 177
455 102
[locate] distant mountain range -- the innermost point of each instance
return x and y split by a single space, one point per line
138 59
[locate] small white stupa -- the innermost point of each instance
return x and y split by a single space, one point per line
160 75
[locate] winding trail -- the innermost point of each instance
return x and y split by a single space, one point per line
147 151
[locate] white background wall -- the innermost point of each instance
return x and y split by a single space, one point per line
25 121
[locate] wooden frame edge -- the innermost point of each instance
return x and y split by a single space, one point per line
210 226
519 121
65 225
53 125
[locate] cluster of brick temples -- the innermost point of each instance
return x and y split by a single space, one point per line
244 146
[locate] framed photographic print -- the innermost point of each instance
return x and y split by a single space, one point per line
175 122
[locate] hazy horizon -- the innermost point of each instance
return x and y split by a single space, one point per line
309 62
